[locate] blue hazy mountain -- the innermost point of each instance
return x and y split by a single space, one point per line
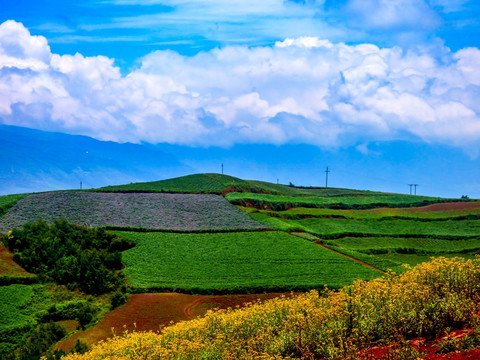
33 160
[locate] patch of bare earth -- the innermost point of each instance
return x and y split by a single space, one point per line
152 312
8 267
461 205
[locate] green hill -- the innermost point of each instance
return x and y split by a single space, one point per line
197 183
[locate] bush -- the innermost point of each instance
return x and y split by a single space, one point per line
69 254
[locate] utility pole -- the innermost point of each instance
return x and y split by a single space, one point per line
80 185
277 181
326 177
415 187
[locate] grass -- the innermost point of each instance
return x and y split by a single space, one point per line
427 246
377 213
339 227
13 305
280 202
152 211
194 184
23 308
235 262
7 201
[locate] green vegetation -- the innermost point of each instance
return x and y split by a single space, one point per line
377 235
280 202
27 312
218 184
7 201
150 211
192 184
234 262
69 254
352 323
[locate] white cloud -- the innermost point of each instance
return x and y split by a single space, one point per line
300 90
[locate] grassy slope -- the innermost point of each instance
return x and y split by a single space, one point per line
235 262
409 236
197 183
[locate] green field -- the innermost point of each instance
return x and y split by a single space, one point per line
373 200
193 184
235 262
395 235
328 228
217 183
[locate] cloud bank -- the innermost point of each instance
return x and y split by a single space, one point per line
302 90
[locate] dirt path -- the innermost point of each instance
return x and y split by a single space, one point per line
318 242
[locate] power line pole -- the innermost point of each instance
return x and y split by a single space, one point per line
415 188
326 177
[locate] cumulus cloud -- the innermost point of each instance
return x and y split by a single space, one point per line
302 90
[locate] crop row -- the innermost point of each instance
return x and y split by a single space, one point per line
234 261
279 202
337 227
154 210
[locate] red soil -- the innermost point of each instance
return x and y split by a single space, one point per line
448 206
429 349
145 312
8 267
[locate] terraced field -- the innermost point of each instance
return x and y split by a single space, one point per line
398 235
235 262
136 210
282 202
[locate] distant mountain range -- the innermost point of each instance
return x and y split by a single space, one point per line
34 161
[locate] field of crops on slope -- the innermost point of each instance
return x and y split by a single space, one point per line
235 263
397 235
471 211
197 183
427 246
280 189
153 211
339 227
280 202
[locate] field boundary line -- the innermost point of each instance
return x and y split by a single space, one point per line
319 243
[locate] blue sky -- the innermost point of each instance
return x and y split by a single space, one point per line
347 74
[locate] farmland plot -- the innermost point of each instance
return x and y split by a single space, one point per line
345 202
152 211
235 262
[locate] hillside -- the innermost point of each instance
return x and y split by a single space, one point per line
205 234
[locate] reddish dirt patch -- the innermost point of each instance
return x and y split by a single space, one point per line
8 267
429 349
145 312
465 205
